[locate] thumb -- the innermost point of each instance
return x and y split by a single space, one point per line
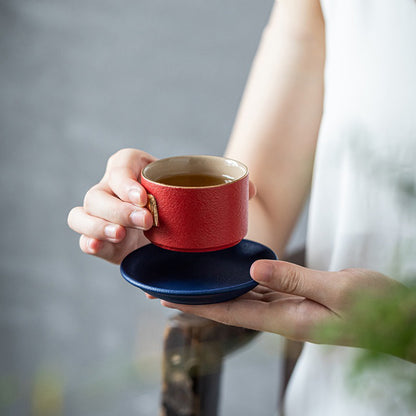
319 286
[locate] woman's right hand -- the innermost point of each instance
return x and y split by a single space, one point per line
114 214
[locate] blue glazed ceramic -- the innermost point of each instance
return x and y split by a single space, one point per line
194 278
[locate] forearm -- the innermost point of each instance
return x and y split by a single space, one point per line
278 121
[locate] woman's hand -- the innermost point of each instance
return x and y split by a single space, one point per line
113 217
295 302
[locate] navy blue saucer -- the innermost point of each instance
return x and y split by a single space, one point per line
194 278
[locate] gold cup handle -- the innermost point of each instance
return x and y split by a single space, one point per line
152 207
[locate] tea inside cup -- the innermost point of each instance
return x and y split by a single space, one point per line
195 171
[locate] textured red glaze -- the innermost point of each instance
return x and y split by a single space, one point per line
199 219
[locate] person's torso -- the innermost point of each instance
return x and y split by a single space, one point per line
363 202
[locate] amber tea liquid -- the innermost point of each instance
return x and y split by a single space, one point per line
194 180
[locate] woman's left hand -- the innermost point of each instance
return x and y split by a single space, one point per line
294 301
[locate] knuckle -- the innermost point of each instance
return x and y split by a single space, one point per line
88 198
291 280
121 154
128 155
114 175
113 158
120 214
125 212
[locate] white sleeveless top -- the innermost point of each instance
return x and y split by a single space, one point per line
363 203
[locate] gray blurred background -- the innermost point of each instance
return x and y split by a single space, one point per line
81 79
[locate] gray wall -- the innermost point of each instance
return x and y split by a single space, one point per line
81 79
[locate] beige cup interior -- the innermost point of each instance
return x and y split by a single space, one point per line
205 165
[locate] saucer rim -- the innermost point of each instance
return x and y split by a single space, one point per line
246 285
189 292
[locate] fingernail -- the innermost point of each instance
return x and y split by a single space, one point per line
137 218
135 197
110 231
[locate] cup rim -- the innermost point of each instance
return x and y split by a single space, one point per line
235 162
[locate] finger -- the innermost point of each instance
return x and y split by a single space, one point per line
150 296
100 203
90 245
102 249
94 227
262 289
258 293
252 190
124 183
123 173
322 287
292 317
252 295
269 296
242 312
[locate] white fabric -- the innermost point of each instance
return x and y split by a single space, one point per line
363 204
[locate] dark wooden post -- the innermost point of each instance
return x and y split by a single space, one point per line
193 356
194 351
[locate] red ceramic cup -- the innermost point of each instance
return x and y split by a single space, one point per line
192 212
